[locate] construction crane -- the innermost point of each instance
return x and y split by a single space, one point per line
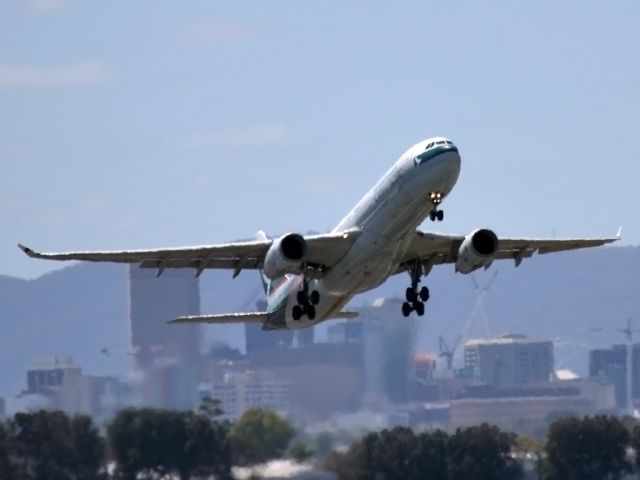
478 309
628 334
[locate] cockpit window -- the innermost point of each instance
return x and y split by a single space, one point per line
429 146
441 142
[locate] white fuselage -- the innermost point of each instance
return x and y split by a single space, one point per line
387 216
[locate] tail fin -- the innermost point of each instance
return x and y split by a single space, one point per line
266 282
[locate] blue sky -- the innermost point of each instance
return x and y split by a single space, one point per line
155 123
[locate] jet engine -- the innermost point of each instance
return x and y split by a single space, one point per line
285 256
477 250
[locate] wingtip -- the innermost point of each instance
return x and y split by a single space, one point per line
619 234
26 249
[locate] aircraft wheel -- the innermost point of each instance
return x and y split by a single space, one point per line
440 215
419 308
432 215
315 297
424 294
406 309
311 312
296 312
411 295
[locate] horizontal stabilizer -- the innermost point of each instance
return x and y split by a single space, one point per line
250 317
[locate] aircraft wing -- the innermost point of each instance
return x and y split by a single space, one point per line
434 249
322 250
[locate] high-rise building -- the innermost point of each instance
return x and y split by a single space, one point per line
167 356
611 364
510 360
258 340
3 411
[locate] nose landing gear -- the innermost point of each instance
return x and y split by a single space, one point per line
415 299
435 214
307 302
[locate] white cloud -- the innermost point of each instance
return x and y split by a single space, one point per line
46 6
86 73
260 135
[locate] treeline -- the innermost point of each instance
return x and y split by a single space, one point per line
588 448
152 443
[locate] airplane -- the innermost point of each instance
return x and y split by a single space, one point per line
310 278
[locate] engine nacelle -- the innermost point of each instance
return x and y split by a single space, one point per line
477 250
285 256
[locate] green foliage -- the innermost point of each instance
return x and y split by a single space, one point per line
478 452
300 452
260 435
323 443
163 441
7 468
51 445
211 408
586 448
482 452
635 443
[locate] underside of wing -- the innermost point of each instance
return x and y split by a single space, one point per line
225 318
322 251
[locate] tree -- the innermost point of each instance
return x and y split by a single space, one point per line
88 448
635 443
163 442
483 453
211 407
50 445
300 452
586 448
393 454
260 435
7 469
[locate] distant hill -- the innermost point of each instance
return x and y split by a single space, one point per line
82 309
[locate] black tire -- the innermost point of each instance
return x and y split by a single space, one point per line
432 216
411 295
406 309
311 312
301 297
440 215
424 294
419 308
315 297
296 312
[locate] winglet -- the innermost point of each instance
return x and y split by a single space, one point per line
619 234
27 250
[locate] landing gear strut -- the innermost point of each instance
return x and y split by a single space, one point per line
435 214
306 302
415 299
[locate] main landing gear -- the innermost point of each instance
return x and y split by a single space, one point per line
435 214
306 302
415 299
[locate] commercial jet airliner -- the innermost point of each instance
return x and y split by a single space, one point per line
310 278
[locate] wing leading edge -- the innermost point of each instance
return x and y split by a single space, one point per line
435 249
324 250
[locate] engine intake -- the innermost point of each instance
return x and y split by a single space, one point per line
477 250
285 256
